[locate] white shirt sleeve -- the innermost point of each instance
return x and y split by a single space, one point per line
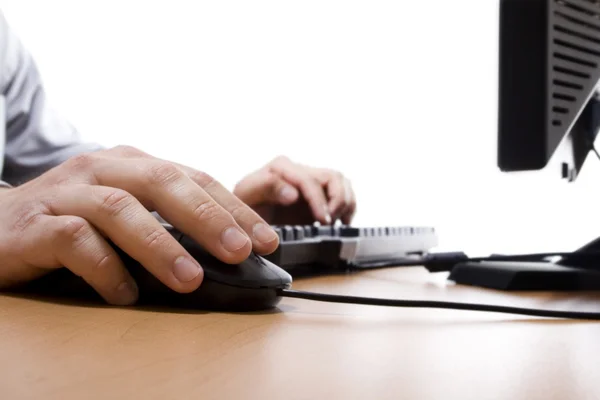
36 138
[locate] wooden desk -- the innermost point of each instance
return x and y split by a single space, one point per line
309 350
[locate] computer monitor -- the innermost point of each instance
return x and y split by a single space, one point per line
549 69
548 110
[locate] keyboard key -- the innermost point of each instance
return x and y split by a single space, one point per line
299 232
308 231
347 231
288 233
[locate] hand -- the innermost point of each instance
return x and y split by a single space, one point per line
284 192
65 217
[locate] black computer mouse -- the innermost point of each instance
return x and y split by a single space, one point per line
249 286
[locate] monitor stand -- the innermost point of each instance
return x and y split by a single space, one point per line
566 275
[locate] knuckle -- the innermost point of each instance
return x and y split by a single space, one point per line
313 186
239 211
104 261
163 173
26 215
206 211
73 229
126 150
280 161
203 179
281 158
63 180
271 179
156 238
81 162
115 201
274 182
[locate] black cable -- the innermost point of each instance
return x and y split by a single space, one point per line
331 298
575 255
447 261
439 262
595 151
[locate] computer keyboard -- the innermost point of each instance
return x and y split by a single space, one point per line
311 249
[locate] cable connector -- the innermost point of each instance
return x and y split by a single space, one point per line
440 262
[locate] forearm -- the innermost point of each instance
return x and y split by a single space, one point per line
37 138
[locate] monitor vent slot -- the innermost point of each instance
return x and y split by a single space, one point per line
575 56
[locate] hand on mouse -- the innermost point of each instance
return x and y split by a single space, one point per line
284 192
66 216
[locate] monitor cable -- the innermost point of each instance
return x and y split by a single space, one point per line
442 262
436 262
595 150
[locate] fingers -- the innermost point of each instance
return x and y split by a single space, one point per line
348 213
120 217
337 194
241 228
264 239
310 188
342 200
265 187
80 248
165 188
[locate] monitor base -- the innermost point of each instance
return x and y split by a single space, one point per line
566 275
538 276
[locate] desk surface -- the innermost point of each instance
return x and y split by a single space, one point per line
308 350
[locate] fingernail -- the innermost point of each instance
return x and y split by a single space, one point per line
287 193
185 269
264 233
233 240
327 215
127 292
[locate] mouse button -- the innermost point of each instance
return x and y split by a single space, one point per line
253 272
204 258
258 272
246 274
276 273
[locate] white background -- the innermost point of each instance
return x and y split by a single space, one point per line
401 96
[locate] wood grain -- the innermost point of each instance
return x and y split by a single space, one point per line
306 350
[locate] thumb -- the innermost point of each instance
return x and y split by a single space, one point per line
265 187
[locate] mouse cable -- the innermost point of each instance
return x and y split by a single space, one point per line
332 298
